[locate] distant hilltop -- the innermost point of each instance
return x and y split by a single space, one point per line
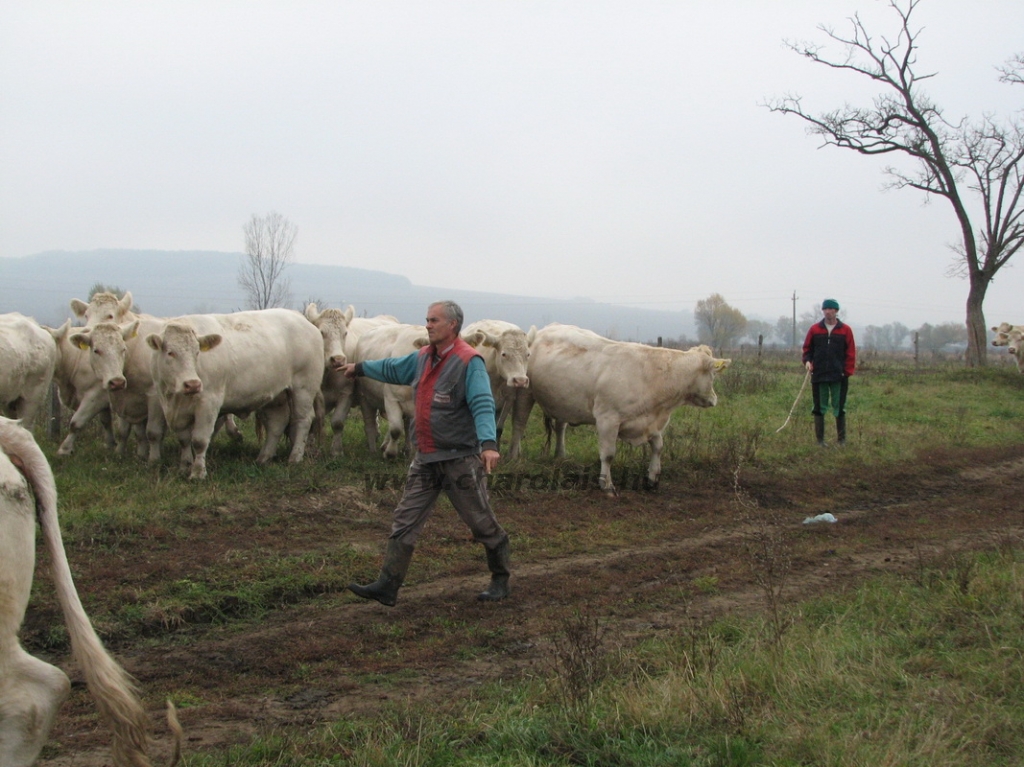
169 283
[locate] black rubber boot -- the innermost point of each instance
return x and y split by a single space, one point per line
396 564
841 429
497 562
819 429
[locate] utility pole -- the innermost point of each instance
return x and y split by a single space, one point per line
794 319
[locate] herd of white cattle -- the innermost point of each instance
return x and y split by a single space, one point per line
145 375
192 374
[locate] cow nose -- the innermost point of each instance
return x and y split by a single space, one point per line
521 382
337 361
192 387
117 384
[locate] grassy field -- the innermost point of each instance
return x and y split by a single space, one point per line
919 669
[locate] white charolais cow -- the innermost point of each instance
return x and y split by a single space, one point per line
396 402
31 690
1003 331
1015 346
79 388
628 390
120 359
269 361
505 349
28 358
333 325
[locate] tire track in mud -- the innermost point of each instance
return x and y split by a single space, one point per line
894 523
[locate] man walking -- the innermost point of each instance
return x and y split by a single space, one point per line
456 449
830 356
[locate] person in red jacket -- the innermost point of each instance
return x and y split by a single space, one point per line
830 356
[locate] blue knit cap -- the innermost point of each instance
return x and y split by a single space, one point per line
830 303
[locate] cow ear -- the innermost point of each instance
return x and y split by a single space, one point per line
721 365
81 341
156 343
209 341
349 314
475 338
420 342
491 341
312 313
59 333
130 331
531 335
78 307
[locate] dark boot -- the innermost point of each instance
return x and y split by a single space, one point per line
497 562
396 563
819 429
841 429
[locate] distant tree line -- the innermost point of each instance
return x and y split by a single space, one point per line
722 327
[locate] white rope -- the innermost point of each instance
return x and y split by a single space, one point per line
798 394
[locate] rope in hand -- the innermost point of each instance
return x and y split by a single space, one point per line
798 394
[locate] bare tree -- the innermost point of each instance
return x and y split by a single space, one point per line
718 324
269 248
955 160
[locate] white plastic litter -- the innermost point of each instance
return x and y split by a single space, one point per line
826 517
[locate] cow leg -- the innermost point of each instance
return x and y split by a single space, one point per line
302 412
31 693
95 403
122 430
275 417
656 442
107 424
338 430
141 440
231 428
155 427
521 407
185 454
560 427
396 425
607 438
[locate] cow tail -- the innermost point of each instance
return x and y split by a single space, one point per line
111 686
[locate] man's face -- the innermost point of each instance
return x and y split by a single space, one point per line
830 315
440 329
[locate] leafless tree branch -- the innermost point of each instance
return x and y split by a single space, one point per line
269 249
969 163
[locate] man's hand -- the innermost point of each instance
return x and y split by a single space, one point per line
349 370
490 459
810 366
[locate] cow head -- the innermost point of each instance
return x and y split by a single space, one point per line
1003 331
108 349
701 391
511 354
175 364
333 326
102 307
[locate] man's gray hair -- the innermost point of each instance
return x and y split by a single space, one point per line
453 312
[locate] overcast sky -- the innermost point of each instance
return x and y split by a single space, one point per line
614 150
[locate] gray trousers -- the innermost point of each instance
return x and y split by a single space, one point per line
464 482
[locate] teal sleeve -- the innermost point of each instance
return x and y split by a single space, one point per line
481 403
400 371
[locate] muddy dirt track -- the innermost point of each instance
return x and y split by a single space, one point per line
641 563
